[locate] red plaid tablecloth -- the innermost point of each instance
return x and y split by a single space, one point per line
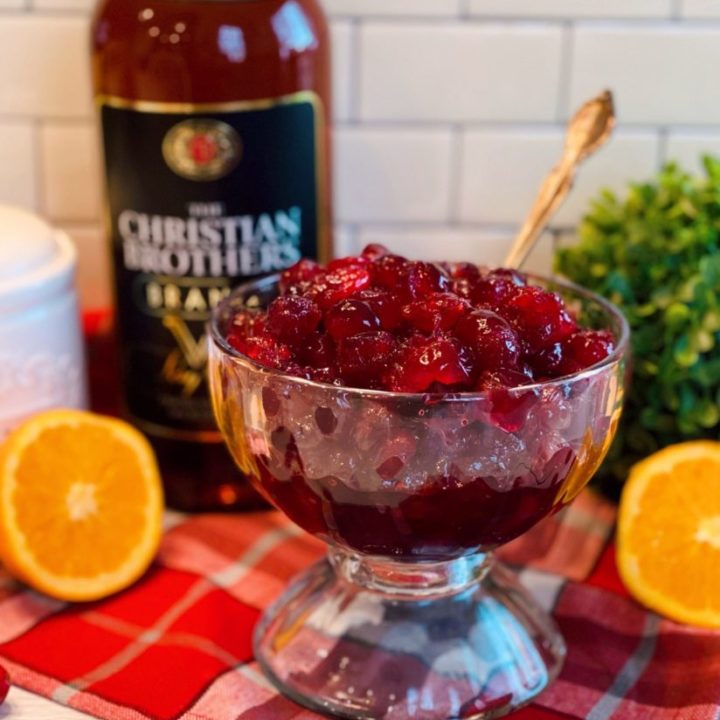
178 643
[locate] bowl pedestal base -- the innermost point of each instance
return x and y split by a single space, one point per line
368 637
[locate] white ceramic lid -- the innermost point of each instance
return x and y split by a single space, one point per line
36 261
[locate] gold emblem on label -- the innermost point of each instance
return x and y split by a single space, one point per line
185 365
202 149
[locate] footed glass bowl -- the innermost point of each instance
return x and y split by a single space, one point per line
409 616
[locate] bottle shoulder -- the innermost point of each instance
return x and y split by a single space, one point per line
233 30
195 50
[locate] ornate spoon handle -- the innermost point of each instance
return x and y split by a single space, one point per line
588 130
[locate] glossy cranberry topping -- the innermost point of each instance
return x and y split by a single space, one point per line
381 321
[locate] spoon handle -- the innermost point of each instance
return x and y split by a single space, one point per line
588 130
553 191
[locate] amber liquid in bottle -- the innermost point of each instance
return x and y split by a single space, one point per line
215 125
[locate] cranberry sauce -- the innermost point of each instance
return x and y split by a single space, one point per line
379 321
423 471
445 519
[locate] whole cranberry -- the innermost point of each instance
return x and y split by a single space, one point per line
548 362
302 271
463 287
264 350
438 311
464 271
584 349
390 272
316 350
491 291
539 316
4 684
386 304
425 361
350 317
424 278
290 319
352 261
374 251
504 378
363 359
492 340
340 284
240 328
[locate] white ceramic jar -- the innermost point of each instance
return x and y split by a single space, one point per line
41 351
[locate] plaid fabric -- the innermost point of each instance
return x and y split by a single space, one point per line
178 643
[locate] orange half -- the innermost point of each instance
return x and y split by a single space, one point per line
669 533
81 504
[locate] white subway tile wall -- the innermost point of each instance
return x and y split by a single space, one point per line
448 114
700 8
392 174
571 8
687 149
71 185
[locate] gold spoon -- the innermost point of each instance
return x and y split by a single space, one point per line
588 130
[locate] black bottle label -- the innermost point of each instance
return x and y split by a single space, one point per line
200 198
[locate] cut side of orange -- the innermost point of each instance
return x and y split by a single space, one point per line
81 504
669 533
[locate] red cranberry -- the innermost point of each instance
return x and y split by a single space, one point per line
374 251
463 287
386 304
547 362
362 359
264 350
539 316
316 350
514 276
347 262
464 271
494 343
340 284
424 278
302 271
493 292
425 361
4 684
390 272
438 311
350 317
509 408
584 349
240 328
502 378
290 319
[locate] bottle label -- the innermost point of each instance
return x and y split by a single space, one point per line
200 198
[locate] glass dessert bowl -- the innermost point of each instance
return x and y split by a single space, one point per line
409 616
